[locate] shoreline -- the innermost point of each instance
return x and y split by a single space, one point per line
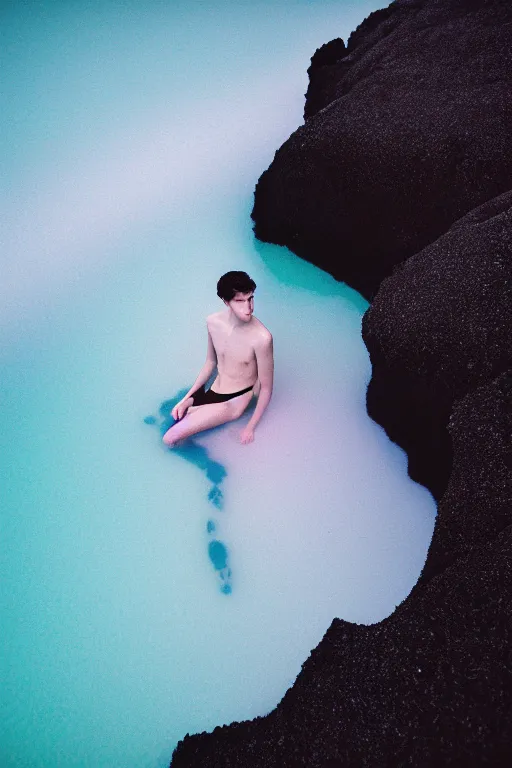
429 685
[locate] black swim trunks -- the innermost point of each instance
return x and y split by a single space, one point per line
205 398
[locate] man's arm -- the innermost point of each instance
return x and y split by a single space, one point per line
207 369
204 374
264 350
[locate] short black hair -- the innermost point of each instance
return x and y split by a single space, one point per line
234 282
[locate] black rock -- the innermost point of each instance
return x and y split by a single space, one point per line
439 327
432 684
405 155
408 129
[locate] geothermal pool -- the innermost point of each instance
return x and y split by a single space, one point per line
133 136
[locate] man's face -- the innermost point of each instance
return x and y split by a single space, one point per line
242 305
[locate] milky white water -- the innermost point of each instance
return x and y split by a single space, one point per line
133 135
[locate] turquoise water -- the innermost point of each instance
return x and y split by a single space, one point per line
147 594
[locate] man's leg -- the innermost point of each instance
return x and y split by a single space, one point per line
201 417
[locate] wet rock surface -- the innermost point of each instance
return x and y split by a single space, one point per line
432 684
425 218
439 327
408 128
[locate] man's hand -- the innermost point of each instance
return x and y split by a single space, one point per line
180 408
247 435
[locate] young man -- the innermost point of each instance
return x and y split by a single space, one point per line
240 347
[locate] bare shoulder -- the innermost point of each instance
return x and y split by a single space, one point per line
214 318
261 335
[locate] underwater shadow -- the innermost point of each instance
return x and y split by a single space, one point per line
215 472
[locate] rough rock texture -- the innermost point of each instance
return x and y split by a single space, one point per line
415 131
439 327
405 154
432 684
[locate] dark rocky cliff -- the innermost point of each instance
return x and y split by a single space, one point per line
432 684
414 131
399 183
439 327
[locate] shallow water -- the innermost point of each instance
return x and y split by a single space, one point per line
131 174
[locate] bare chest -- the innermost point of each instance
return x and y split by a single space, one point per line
232 347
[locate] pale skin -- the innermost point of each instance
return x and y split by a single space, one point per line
241 349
